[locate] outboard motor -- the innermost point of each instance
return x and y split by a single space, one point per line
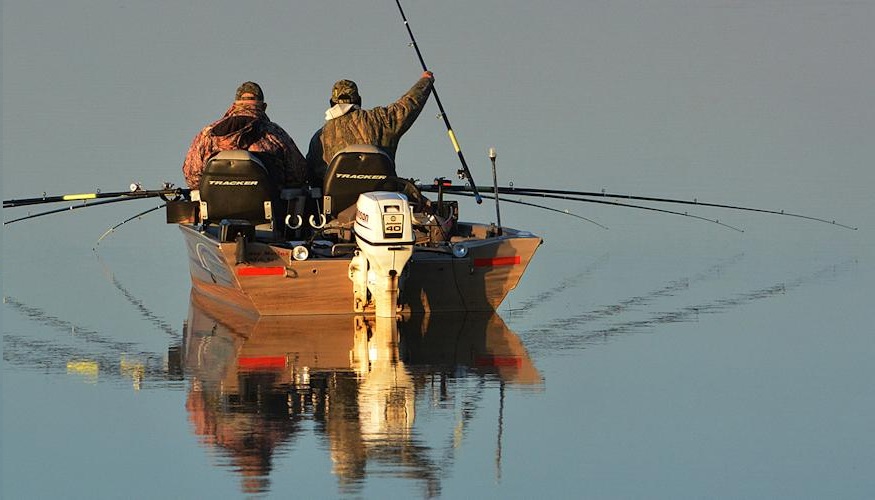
384 235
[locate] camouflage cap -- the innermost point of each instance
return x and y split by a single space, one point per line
345 91
249 88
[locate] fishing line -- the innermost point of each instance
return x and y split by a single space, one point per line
437 99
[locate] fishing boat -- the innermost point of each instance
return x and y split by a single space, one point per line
366 242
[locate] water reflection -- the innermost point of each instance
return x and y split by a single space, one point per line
82 351
256 383
578 331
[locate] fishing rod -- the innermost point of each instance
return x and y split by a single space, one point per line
585 200
135 192
113 228
74 207
573 194
465 169
542 207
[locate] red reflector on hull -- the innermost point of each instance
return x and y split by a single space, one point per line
262 363
497 261
261 271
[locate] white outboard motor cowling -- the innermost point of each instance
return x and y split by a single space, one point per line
384 235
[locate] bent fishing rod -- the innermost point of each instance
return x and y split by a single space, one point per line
137 216
683 202
71 207
463 192
164 194
465 169
135 192
586 196
535 205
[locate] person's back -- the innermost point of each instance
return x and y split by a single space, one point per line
348 124
245 125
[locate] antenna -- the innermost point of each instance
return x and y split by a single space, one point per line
492 157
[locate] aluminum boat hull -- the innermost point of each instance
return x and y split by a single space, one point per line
270 282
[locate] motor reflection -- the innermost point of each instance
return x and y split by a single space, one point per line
258 382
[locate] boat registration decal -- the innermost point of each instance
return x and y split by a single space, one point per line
497 261
261 271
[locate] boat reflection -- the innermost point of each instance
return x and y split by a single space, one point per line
257 382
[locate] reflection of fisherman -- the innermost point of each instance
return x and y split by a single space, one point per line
247 439
348 124
245 125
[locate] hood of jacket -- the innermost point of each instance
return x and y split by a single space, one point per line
240 127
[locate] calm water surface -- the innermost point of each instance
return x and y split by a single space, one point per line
700 365
663 358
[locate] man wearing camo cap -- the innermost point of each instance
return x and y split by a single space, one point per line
245 125
346 123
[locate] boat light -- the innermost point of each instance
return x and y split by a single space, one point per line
300 252
460 250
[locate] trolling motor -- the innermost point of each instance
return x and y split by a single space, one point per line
384 235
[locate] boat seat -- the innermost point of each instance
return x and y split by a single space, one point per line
355 170
236 186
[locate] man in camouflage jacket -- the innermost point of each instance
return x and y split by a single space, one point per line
346 123
246 126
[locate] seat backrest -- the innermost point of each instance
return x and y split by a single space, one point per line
355 170
236 185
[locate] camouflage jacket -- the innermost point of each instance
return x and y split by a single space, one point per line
382 127
246 126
